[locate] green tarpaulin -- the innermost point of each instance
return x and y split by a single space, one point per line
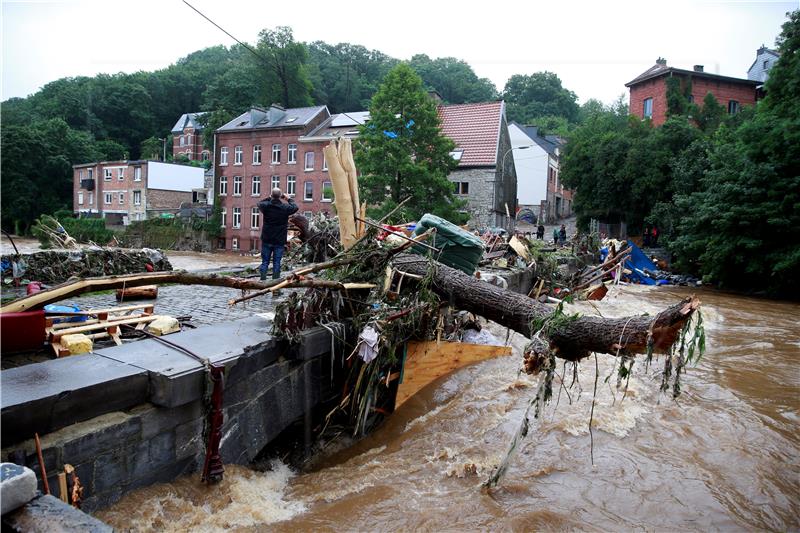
458 247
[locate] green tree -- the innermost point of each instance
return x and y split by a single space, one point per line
402 153
211 122
710 115
453 79
538 95
152 148
286 74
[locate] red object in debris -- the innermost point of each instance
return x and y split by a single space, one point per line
33 287
213 469
22 331
148 267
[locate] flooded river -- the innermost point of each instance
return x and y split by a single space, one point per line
724 456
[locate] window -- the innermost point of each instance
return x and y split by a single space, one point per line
461 187
237 155
107 198
237 217
324 162
255 218
234 243
690 98
107 175
308 191
121 197
223 186
223 217
257 154
137 173
120 174
80 174
327 191
223 155
648 108
276 154
766 64
237 185
253 245
182 140
733 107
221 243
309 160
276 182
205 155
91 174
292 154
137 197
80 198
189 139
291 185
256 187
91 199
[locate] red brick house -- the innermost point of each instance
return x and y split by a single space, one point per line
648 91
126 191
187 138
262 149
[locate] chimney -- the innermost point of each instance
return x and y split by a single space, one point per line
661 61
698 68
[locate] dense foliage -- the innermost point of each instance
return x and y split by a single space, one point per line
402 153
725 190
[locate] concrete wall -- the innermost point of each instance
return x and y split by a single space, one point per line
130 416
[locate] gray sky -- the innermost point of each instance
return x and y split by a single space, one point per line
594 46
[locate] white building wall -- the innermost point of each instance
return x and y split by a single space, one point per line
531 165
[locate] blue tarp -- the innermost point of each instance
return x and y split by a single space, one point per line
637 262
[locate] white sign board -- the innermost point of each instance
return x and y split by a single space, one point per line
170 177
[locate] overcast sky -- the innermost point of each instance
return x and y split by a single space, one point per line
594 46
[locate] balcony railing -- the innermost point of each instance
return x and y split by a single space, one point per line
87 184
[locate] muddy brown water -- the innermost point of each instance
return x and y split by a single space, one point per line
724 456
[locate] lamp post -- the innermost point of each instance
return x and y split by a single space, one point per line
503 174
164 143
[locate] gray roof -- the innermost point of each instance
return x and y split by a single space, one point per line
548 143
188 120
273 117
661 70
339 125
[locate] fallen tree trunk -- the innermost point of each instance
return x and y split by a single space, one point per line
573 338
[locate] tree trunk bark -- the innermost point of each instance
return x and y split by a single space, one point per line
570 339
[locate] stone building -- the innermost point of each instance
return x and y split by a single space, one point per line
648 91
126 191
259 150
187 138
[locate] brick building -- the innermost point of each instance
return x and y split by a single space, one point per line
259 150
648 91
187 138
126 191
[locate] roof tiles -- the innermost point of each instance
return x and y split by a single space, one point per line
475 128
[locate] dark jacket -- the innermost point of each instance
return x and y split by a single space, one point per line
276 220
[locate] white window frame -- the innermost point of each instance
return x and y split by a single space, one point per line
91 199
137 173
189 139
324 162
291 185
306 158
91 173
80 197
121 174
182 141
236 221
80 174
276 154
223 185
275 181
137 197
121 197
107 174
644 108
235 243
330 188
237 154
308 196
255 187
107 200
223 216
255 218
223 156
292 156
237 185
256 154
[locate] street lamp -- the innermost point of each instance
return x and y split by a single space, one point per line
164 142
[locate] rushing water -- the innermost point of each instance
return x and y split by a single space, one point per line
724 456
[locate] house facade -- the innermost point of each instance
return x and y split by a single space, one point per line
259 150
539 188
765 59
648 91
187 138
127 191
486 175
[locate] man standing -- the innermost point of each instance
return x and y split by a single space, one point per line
562 235
540 232
276 211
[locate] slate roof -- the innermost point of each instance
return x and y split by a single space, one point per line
275 116
188 120
475 128
658 70
548 143
338 125
763 51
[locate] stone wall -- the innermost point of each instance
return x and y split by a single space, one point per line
481 193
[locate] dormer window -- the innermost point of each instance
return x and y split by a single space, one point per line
766 64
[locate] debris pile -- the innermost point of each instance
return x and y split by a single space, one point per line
56 266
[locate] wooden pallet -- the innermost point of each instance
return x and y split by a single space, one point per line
105 323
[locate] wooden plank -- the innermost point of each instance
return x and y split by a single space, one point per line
62 487
100 325
429 360
119 309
